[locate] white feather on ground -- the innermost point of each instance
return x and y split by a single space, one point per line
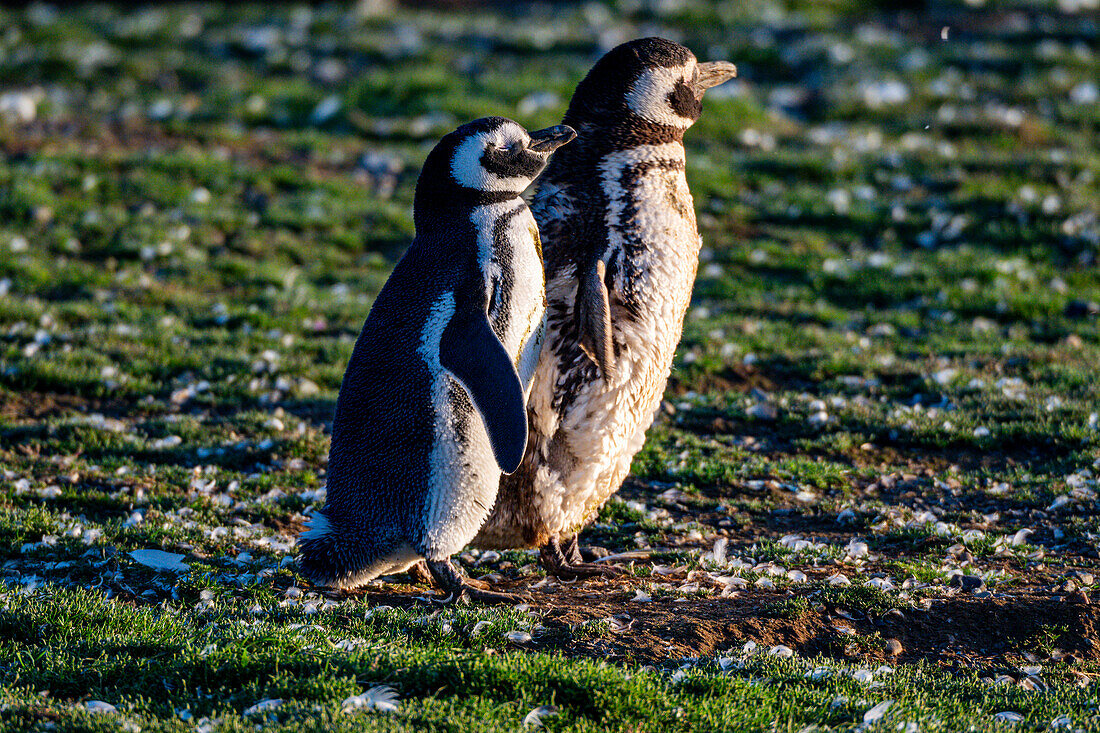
534 718
263 706
160 560
876 713
382 698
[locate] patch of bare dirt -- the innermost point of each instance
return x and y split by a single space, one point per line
38 405
958 631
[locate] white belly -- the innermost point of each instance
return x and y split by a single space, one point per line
605 424
464 474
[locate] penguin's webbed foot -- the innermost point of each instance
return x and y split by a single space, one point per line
568 564
451 582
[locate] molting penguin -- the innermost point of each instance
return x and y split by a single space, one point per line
432 406
621 249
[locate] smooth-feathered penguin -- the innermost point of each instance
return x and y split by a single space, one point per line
621 250
432 406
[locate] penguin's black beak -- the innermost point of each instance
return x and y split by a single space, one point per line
552 138
713 73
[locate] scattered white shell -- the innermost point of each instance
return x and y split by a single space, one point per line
838 579
99 707
781 651
518 637
641 596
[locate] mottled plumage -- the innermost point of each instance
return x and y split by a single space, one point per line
621 249
431 409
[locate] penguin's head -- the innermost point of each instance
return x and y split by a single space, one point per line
489 159
647 82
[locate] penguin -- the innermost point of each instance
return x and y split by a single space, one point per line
621 250
431 409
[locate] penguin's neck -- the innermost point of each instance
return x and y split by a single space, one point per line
435 205
597 139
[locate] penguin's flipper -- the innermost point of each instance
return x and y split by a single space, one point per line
593 310
475 356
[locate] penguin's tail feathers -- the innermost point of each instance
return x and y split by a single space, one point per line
335 557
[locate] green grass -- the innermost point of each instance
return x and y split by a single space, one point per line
168 667
893 340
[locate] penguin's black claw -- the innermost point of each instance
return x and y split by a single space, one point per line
572 566
491 596
591 553
457 588
576 554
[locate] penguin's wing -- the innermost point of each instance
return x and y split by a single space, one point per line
593 312
471 351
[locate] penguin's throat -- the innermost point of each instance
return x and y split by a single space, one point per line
435 203
618 130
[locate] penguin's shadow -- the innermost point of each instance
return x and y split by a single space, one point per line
317 412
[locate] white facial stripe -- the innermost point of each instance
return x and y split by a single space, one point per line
648 97
466 164
509 133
